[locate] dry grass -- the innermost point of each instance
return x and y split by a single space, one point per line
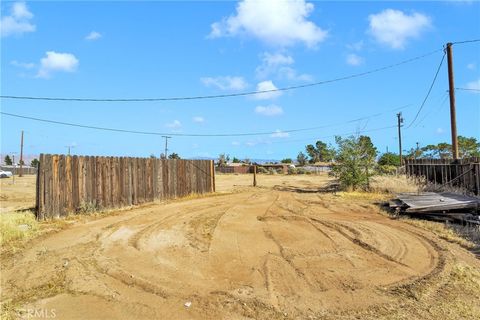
393 184
17 226
441 231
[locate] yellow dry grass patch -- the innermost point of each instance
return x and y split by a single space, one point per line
17 226
393 184
441 231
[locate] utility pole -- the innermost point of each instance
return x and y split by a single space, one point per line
20 173
166 145
416 152
451 91
400 121
14 167
68 147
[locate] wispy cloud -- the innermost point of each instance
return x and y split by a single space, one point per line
24 65
280 66
175 125
94 35
472 66
269 111
279 23
354 59
280 134
198 119
18 22
474 85
226 83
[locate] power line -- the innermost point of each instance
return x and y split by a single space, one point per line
189 134
355 75
429 90
466 41
468 89
445 97
332 135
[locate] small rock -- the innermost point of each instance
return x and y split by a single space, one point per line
188 304
65 264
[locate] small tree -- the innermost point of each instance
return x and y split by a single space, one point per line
8 160
222 162
235 160
468 147
287 160
301 158
34 163
174 156
389 159
355 161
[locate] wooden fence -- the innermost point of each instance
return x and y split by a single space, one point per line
68 184
462 173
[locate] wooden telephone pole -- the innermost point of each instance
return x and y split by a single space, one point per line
400 121
166 145
451 91
20 172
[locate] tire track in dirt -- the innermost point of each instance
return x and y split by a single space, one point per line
259 253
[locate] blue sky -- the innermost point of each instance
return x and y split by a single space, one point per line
166 49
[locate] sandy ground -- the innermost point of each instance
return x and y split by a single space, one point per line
280 251
18 195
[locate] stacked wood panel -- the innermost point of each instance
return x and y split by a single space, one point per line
461 173
75 184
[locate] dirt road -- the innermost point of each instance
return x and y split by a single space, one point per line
277 252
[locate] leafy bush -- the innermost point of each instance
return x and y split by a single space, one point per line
262 170
292 170
301 171
386 170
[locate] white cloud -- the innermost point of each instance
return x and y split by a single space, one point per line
269 111
354 59
175 124
235 143
357 46
279 65
226 83
280 23
280 134
94 35
471 66
269 87
439 131
18 22
394 28
54 61
198 119
23 65
474 85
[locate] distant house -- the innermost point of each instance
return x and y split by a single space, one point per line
319 167
241 168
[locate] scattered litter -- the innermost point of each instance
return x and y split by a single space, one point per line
188 304
65 264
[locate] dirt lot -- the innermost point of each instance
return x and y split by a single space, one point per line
280 251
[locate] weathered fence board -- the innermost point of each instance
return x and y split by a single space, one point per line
462 173
72 184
